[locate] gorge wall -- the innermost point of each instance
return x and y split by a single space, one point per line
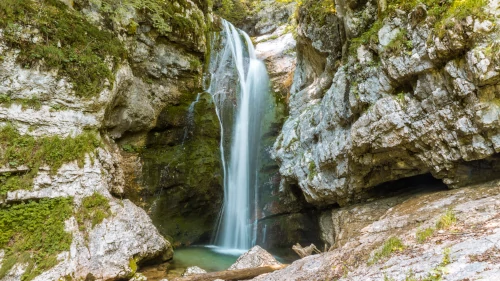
386 90
88 91
392 103
103 111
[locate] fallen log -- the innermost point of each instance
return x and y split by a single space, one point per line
237 274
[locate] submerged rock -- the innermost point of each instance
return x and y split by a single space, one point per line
255 257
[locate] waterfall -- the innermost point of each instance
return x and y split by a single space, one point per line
190 119
238 84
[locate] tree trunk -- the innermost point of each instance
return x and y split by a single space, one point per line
237 274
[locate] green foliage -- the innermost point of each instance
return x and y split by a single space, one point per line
442 11
439 271
32 102
132 148
54 151
312 170
392 245
166 16
368 37
235 11
446 220
400 42
70 43
33 233
93 211
422 235
319 10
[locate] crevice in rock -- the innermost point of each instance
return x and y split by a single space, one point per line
406 186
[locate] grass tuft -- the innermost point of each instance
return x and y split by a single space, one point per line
422 235
392 245
446 220
93 211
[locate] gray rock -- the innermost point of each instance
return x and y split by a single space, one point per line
467 250
192 270
427 106
255 257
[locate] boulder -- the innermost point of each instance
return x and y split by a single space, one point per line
255 257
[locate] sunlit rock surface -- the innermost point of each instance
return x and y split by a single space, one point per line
466 249
414 99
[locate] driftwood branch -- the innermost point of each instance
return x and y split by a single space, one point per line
237 274
305 251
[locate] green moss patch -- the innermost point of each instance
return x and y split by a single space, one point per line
33 102
69 42
168 17
441 11
33 233
93 211
235 11
19 150
319 10
390 246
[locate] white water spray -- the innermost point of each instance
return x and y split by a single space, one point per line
239 84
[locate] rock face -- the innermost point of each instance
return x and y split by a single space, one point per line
54 91
267 16
376 99
448 234
284 218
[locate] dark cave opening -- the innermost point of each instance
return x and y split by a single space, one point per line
409 185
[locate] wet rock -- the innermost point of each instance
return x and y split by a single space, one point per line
255 257
267 16
277 50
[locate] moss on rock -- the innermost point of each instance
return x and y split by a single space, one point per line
24 150
33 233
49 34
182 170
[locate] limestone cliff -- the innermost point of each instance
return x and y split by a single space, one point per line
386 90
82 85
392 104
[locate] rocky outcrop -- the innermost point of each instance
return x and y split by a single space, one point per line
266 16
425 236
284 217
65 103
382 93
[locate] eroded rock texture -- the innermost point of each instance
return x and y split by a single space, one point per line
160 66
376 99
465 249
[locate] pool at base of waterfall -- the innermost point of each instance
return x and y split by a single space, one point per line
209 258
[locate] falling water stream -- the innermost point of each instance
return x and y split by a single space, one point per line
238 84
